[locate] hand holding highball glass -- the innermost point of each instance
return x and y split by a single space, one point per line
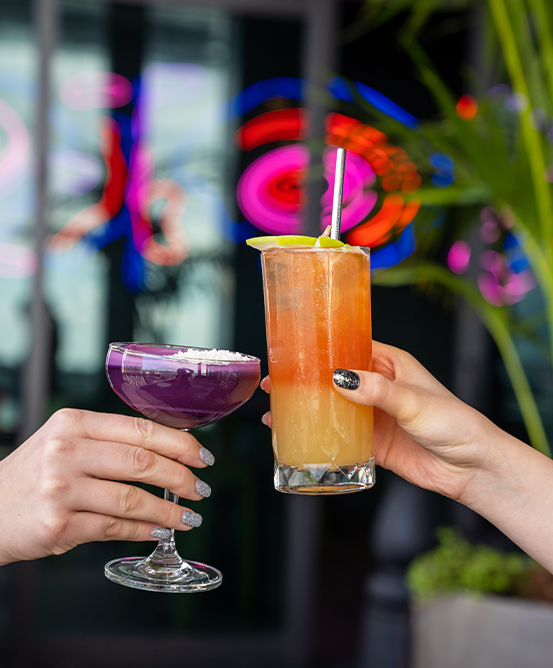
185 388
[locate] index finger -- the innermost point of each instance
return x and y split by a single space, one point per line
138 431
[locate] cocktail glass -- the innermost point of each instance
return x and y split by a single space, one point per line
185 388
318 319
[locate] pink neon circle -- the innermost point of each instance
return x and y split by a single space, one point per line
275 216
260 208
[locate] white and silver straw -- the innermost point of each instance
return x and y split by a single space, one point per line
338 192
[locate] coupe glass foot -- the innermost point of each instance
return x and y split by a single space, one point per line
138 573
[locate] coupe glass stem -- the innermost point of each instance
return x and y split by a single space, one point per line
169 540
165 558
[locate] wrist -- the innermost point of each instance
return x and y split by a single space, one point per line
496 473
511 487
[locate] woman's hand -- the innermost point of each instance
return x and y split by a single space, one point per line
425 434
422 432
63 486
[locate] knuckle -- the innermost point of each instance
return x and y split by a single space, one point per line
130 500
142 461
53 528
145 429
64 419
380 389
52 487
51 481
166 514
57 449
183 477
133 532
114 529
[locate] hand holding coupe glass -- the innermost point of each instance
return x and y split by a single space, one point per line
63 486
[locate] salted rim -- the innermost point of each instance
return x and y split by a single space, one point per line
213 355
182 353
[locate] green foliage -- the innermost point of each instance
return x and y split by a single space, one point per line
455 565
503 159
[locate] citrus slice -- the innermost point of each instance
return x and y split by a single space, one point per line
292 240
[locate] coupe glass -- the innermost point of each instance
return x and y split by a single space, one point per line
185 388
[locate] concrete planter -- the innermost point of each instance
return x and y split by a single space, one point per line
463 631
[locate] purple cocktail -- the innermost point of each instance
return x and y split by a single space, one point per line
184 388
181 387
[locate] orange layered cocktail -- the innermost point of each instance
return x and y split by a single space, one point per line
318 318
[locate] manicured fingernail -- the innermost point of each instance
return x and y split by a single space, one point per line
206 456
161 533
349 380
191 519
264 418
203 488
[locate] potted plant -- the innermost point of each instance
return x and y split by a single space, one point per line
476 605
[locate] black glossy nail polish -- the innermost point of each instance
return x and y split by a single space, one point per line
349 380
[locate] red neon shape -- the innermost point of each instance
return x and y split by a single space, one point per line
279 125
466 107
396 171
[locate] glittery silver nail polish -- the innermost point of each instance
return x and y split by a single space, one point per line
206 456
161 533
203 488
349 380
191 519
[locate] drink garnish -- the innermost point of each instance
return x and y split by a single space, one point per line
293 241
214 356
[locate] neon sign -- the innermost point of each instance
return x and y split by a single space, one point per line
270 191
129 189
271 194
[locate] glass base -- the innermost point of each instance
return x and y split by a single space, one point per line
139 573
324 479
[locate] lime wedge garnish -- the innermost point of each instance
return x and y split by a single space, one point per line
326 242
293 240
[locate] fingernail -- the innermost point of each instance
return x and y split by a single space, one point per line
203 488
191 519
206 456
349 380
161 533
264 418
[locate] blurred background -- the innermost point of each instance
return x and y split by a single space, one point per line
141 144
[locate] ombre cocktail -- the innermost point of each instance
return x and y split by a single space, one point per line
318 318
